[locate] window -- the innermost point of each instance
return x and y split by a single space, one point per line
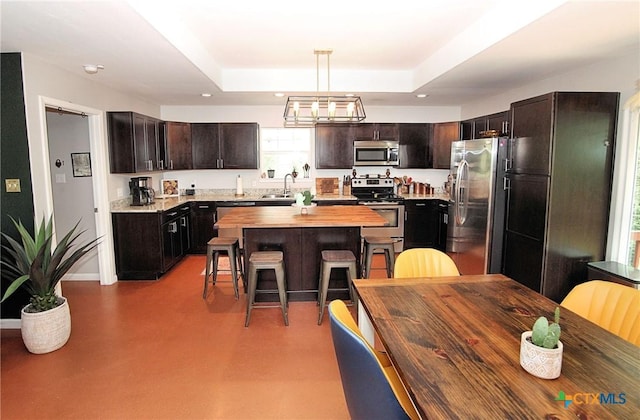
283 149
624 233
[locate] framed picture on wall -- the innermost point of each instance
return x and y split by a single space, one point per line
81 163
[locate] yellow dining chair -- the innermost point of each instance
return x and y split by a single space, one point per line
372 387
612 306
424 262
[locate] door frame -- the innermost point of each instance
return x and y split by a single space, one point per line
100 165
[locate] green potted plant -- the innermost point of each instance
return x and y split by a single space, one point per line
303 200
33 264
541 348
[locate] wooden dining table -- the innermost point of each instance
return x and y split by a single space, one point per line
455 342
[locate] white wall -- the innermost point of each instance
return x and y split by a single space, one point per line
43 79
618 74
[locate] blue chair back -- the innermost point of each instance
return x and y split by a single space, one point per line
367 387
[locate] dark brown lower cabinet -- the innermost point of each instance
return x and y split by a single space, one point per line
147 245
203 215
421 224
301 248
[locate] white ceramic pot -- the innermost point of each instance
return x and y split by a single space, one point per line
538 361
44 332
304 209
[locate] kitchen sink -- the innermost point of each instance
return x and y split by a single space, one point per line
277 196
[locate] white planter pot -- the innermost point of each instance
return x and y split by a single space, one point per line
304 209
44 332
538 361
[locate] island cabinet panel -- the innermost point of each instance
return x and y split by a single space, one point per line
302 249
334 146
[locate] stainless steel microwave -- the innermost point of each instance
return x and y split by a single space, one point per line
375 153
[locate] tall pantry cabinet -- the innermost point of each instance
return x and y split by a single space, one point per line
559 188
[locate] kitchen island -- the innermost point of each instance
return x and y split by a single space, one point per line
301 237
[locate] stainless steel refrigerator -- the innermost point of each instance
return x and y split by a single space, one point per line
475 227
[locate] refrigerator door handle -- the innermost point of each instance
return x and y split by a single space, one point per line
462 176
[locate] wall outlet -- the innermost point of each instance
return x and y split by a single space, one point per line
119 192
12 185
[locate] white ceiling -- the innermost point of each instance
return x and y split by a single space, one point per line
243 51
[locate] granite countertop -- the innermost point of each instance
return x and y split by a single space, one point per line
167 203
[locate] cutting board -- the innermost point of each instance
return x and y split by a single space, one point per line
327 186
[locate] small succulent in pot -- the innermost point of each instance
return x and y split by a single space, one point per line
546 334
304 198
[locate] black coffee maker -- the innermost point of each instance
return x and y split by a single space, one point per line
141 192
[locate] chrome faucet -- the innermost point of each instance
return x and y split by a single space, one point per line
293 180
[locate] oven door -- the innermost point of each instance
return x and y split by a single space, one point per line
393 213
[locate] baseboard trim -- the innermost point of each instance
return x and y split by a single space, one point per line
10 324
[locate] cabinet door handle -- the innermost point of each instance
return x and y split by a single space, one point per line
183 221
172 214
173 227
161 164
185 208
203 207
507 165
421 204
506 183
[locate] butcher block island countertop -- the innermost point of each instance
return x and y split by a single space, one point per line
301 238
283 217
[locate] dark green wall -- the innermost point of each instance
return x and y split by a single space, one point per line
14 160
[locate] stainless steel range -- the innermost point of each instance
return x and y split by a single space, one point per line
378 193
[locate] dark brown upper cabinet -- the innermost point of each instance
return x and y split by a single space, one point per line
473 128
334 146
134 143
376 131
224 145
415 150
178 146
443 135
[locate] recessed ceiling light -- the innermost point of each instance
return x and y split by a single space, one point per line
279 94
205 95
421 95
93 68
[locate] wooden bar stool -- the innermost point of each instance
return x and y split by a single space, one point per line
266 260
335 259
231 247
384 243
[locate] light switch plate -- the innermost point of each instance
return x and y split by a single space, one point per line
12 185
